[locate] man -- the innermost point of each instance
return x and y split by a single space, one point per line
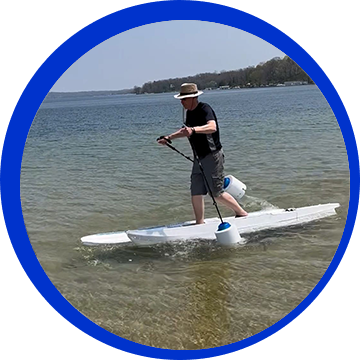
201 127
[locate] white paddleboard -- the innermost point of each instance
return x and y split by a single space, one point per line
106 239
255 221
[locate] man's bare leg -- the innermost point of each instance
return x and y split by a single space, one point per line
227 200
198 206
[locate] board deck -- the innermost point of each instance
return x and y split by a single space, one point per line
106 239
255 221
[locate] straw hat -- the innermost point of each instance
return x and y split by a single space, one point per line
188 90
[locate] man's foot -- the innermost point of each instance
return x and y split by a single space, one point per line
243 214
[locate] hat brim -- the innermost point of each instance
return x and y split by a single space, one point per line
178 96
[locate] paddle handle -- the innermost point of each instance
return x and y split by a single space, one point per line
164 137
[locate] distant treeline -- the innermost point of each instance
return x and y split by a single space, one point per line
271 73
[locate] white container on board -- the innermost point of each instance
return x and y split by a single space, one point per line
234 187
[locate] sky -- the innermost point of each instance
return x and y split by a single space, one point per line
164 50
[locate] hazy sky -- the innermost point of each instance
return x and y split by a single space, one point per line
164 50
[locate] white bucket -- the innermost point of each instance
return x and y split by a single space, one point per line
227 235
234 187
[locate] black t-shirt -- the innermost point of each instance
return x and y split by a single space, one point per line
203 144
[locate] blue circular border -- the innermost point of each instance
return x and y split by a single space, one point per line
48 326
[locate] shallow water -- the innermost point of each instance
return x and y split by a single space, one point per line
92 165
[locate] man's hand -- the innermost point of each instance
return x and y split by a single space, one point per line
163 140
186 131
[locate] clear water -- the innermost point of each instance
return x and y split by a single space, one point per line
92 165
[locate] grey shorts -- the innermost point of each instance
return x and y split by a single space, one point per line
213 166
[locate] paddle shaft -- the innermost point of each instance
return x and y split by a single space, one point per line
179 152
